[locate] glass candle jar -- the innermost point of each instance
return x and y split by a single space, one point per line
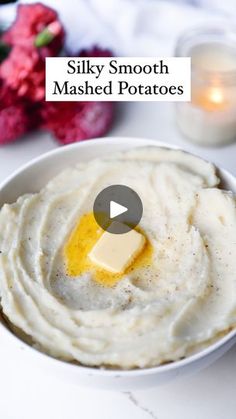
210 117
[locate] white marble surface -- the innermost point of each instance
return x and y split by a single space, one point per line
28 393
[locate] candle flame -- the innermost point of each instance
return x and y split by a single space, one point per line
216 95
213 98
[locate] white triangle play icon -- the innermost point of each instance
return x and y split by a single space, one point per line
116 209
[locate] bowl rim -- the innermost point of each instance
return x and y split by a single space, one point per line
102 371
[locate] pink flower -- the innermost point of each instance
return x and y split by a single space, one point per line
95 52
75 121
24 72
17 117
31 21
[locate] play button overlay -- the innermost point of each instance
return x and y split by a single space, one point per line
118 209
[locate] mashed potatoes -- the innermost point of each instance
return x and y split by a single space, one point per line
178 296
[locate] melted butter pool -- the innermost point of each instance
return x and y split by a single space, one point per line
81 241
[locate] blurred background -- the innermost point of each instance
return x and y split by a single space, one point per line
132 27
30 127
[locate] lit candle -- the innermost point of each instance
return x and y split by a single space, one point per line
210 117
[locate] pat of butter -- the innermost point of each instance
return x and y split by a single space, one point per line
115 252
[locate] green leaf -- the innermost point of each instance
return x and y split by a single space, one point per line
4 51
43 38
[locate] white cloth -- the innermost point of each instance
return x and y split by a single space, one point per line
128 27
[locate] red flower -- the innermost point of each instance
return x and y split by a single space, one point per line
35 34
17 117
24 72
95 52
31 21
75 121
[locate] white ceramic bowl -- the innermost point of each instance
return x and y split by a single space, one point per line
31 178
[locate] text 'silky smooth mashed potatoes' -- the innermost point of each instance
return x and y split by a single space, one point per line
177 296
